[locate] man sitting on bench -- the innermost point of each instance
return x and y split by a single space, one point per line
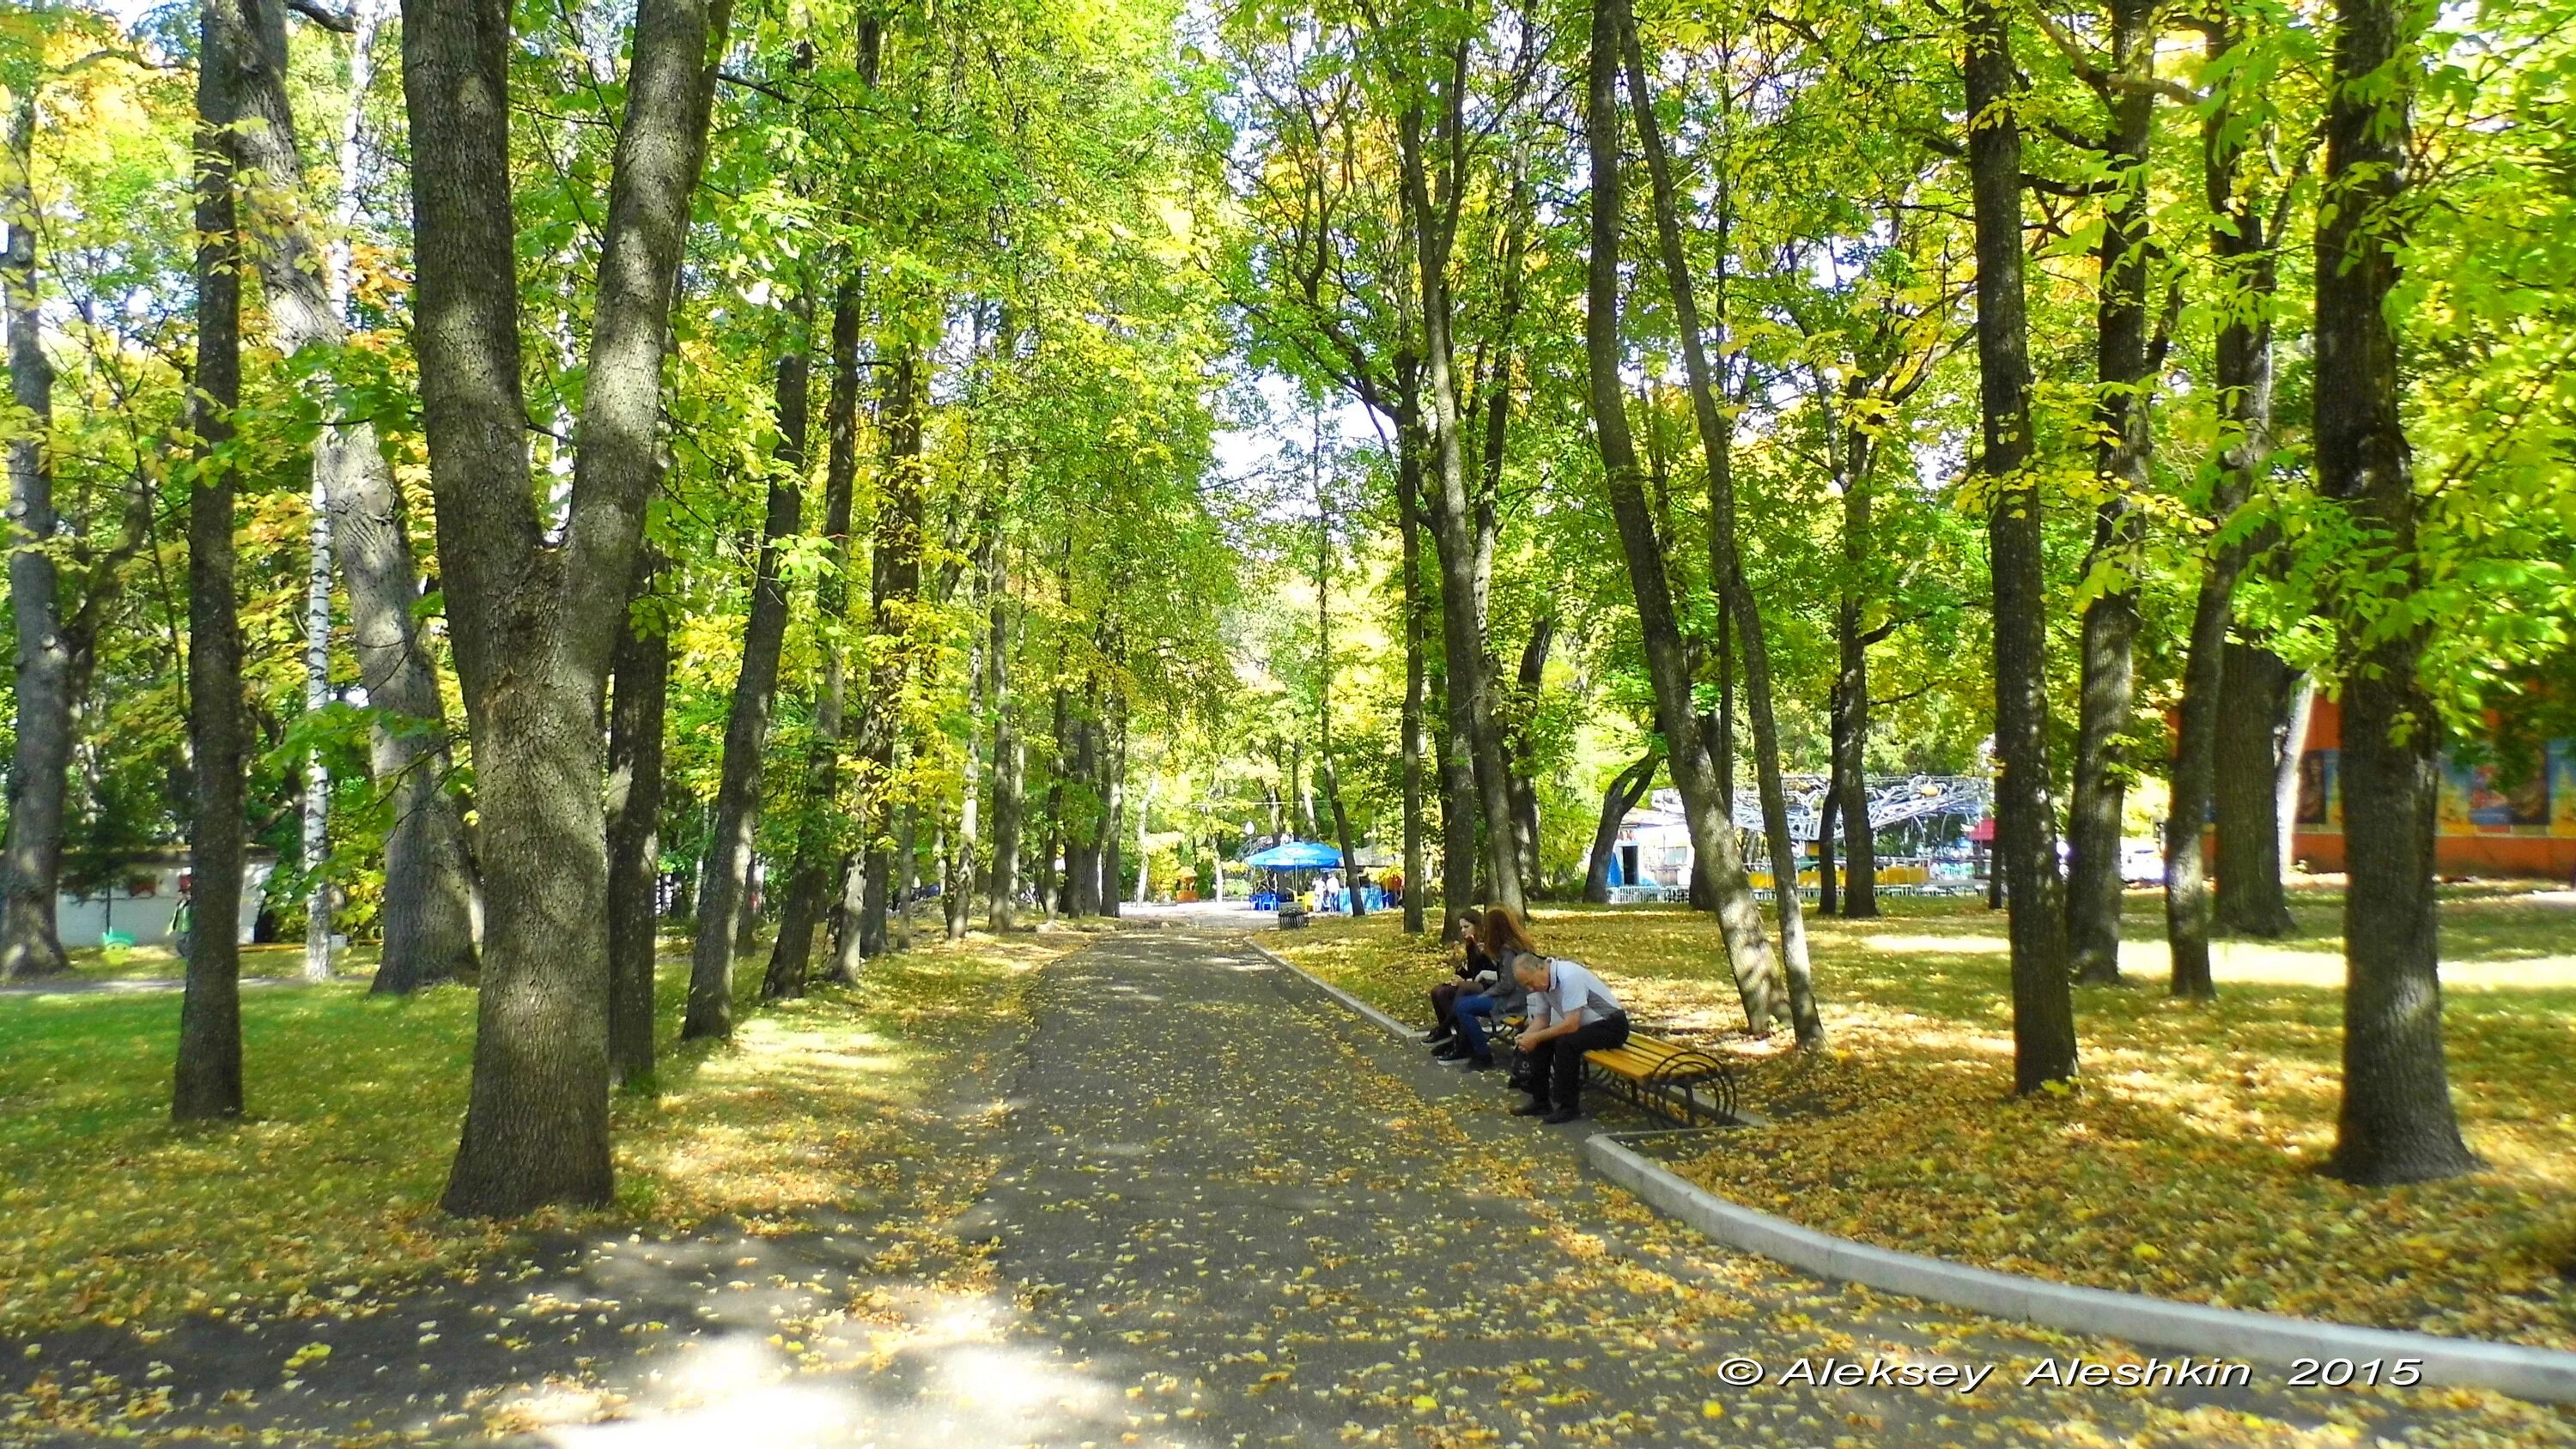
1571 1011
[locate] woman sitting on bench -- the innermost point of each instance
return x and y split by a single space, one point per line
1571 1012
1483 993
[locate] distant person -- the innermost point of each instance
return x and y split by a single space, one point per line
1484 991
183 921
1393 885
1571 1012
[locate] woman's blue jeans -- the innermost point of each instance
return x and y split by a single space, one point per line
1473 1015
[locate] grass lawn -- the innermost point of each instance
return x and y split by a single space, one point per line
2185 1165
325 1195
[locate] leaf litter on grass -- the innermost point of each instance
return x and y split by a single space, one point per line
2185 1165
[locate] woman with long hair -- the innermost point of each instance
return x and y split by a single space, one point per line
1465 1009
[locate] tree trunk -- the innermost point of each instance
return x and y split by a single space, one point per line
726 911
1521 756
1408 503
1324 699
2026 823
1739 913
2301 698
634 804
428 924
208 1082
32 864
535 625
1726 565
1085 809
1626 788
895 585
2244 254
809 884
1475 746
2253 683
2120 416
1847 794
2397 1123
1112 732
1825 885
1010 757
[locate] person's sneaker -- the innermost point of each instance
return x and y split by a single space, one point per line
1480 1064
1563 1115
1534 1107
1450 1052
1439 1036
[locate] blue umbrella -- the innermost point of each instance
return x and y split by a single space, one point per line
1297 855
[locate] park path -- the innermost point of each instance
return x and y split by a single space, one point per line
1259 1220
1205 1206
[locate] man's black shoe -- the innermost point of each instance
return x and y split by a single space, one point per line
1450 1051
1480 1064
1534 1107
1439 1036
1563 1115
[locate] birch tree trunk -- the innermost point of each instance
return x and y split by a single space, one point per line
429 878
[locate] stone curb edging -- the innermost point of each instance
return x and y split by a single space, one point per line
2546 1375
1402 1031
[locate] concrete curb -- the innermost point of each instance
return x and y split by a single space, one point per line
1402 1031
2545 1375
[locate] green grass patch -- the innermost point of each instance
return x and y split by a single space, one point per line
325 1194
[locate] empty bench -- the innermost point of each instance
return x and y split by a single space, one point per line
1691 1086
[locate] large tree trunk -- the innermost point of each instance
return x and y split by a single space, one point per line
534 625
31 865
2120 416
428 921
810 870
1739 913
2244 253
2397 1122
2254 686
208 1082
1626 788
1725 560
1475 745
634 804
2026 823
725 909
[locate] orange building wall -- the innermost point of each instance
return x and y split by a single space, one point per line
2478 831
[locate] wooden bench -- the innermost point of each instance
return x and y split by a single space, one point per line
1292 916
1684 1083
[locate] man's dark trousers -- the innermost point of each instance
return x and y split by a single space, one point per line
1558 1061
